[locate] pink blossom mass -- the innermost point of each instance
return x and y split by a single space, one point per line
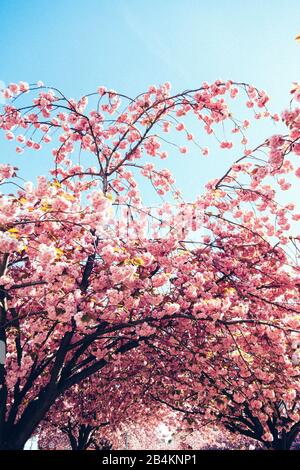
117 314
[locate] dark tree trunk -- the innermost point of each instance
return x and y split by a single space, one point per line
14 437
84 438
281 444
13 442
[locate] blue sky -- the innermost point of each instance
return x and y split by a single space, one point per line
129 44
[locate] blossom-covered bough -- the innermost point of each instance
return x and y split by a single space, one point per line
90 273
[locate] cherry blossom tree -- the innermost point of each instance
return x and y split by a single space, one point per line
95 413
89 273
76 420
248 385
244 376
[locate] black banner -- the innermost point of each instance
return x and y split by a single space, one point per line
138 459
